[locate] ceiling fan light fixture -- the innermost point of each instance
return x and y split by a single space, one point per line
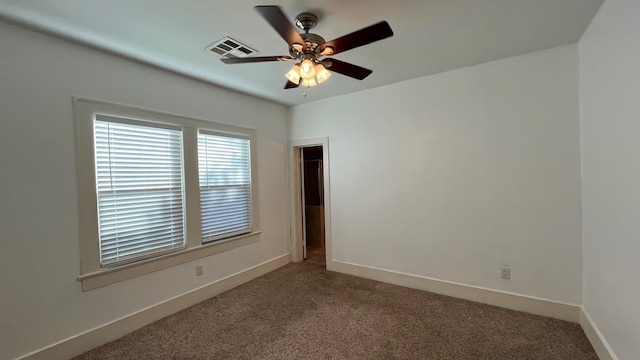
307 70
309 82
322 74
294 74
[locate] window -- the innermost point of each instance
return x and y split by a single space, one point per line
139 190
157 190
225 185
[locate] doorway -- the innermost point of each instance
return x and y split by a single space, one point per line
310 201
314 249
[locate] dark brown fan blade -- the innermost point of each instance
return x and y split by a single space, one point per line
255 59
290 85
278 20
347 69
365 36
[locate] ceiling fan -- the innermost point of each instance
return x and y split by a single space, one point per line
310 50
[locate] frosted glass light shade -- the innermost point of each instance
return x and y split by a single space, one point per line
322 73
294 74
309 82
307 69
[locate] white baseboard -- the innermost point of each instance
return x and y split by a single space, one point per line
528 304
88 340
600 345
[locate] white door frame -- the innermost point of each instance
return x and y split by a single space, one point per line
303 202
295 197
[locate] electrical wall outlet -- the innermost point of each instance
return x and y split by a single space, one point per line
198 270
505 272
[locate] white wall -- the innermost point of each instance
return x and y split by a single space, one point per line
610 126
41 301
453 175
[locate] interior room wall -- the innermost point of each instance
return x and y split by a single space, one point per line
610 134
454 175
41 300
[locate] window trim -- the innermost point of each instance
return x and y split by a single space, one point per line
92 275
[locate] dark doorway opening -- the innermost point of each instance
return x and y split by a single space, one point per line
313 205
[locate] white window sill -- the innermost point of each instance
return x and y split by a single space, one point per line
108 276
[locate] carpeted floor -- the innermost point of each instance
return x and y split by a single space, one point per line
302 311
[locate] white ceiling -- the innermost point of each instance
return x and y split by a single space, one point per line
430 36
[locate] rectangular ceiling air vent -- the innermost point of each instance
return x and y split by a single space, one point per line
231 48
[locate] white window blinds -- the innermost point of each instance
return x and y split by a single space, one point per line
225 185
140 190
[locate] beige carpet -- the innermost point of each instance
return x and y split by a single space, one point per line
302 311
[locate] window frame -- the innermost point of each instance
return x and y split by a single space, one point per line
92 274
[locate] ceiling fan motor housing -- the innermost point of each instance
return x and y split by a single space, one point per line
306 22
312 41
